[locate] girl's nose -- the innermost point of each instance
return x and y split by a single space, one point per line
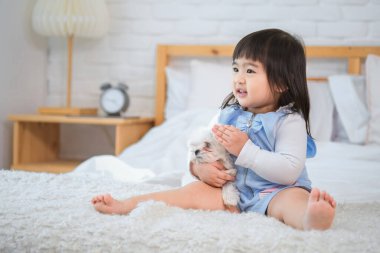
239 78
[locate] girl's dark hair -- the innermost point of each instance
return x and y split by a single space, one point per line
284 61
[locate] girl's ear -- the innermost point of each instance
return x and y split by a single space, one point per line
280 88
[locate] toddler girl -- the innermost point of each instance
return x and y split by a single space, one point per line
264 125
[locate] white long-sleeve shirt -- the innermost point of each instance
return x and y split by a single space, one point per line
285 164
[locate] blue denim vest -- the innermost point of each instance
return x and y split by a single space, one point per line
255 191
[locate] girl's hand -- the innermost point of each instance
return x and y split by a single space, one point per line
232 138
213 174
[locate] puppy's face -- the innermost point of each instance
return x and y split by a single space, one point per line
203 147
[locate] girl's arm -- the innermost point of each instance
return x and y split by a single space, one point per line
285 164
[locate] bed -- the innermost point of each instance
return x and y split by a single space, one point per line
43 212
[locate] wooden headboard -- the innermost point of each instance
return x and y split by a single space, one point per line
353 55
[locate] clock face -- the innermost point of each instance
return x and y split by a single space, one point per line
112 100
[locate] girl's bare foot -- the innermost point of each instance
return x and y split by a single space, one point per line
320 210
107 204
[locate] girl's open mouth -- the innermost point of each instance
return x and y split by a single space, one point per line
241 92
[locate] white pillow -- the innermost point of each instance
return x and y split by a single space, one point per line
321 111
178 86
350 106
210 84
372 66
339 133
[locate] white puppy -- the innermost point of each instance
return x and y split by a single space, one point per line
204 148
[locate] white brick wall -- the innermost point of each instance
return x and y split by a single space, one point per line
127 53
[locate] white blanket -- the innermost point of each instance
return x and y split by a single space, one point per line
350 172
163 151
42 212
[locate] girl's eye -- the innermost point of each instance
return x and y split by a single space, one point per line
234 69
250 71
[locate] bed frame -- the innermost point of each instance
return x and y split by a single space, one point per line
353 55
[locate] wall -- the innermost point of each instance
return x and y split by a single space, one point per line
127 53
23 65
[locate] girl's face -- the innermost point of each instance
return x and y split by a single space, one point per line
251 87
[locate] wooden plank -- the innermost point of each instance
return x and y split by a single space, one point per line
200 50
37 142
340 51
56 166
161 63
354 65
317 79
311 51
128 134
16 143
79 120
67 111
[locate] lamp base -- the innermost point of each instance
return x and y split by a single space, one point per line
67 111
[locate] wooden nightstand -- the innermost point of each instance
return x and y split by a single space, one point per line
36 139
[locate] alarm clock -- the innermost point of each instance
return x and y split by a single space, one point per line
114 100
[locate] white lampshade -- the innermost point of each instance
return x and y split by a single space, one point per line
78 18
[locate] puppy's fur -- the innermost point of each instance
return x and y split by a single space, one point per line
204 148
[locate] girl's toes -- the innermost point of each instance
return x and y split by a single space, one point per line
314 195
332 201
95 200
322 196
107 199
329 198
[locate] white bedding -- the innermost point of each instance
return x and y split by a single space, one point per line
43 212
350 172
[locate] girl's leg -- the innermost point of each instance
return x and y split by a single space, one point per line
303 210
197 195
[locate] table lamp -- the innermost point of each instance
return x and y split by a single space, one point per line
70 18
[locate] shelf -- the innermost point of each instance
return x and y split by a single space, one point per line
58 166
36 138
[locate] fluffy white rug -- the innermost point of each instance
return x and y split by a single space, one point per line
49 213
